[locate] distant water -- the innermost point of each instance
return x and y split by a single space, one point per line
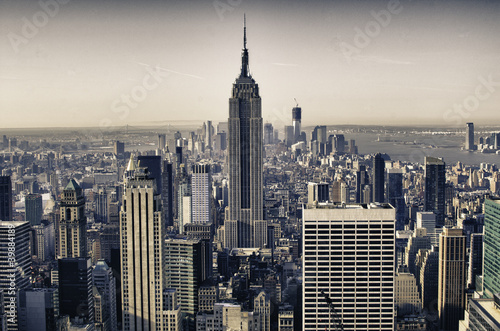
442 146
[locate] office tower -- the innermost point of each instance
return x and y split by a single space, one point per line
201 192
105 283
349 254
319 134
361 181
245 214
5 198
429 272
167 195
337 142
419 240
142 232
153 164
296 121
73 223
469 137
119 148
268 134
220 143
33 208
378 173
15 267
395 195
184 199
186 267
336 194
171 311
475 259
452 281
178 156
208 296
318 192
406 296
427 220
101 206
162 141
209 135
434 193
75 289
491 265
38 309
44 241
262 307
482 314
289 135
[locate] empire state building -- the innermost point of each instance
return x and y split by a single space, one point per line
244 225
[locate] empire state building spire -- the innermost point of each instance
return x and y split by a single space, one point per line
244 56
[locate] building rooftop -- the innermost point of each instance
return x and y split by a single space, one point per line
330 205
487 307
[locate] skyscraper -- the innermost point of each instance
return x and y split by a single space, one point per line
245 214
5 198
105 283
186 267
73 223
378 172
395 196
491 265
201 192
452 280
167 193
153 163
349 254
434 194
142 233
33 208
75 288
296 121
361 181
469 137
268 134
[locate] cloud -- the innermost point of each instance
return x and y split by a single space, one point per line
171 71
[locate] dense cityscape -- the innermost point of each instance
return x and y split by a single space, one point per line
250 224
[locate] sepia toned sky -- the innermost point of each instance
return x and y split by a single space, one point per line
71 63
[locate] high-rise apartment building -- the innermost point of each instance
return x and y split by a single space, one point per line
73 223
349 254
245 214
434 193
142 232
491 265
452 278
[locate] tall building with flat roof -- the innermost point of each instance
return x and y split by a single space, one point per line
491 265
434 193
452 278
246 211
5 198
469 137
201 194
349 254
141 234
378 175
33 208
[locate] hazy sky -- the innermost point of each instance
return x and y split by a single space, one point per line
91 63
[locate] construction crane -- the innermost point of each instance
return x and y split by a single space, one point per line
338 326
296 103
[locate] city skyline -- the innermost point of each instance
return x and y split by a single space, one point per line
68 63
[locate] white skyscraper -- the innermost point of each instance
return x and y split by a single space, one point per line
201 192
142 233
349 254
